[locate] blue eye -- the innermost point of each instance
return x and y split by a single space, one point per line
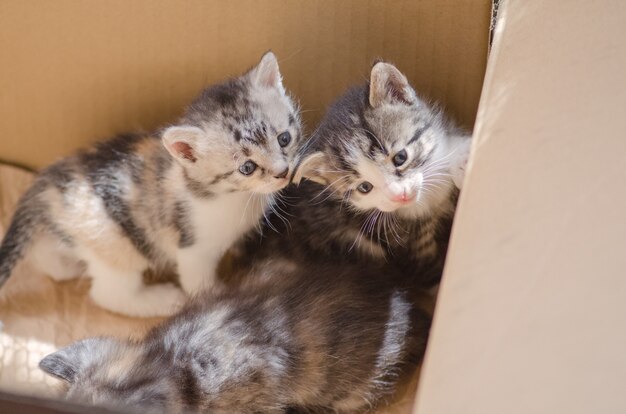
248 167
400 158
365 187
284 139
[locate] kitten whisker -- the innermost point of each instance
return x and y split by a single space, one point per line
304 111
380 223
284 196
370 229
436 172
330 194
345 198
360 233
287 203
439 169
245 209
442 162
385 222
268 222
279 208
373 223
437 180
394 226
310 141
334 171
435 184
283 219
276 209
438 175
429 189
329 186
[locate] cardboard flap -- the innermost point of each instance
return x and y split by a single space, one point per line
530 317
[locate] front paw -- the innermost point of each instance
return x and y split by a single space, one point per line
459 161
164 299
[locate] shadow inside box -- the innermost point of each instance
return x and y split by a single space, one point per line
12 403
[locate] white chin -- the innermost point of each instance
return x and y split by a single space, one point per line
413 209
390 207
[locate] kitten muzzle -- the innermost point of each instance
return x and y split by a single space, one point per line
404 197
283 174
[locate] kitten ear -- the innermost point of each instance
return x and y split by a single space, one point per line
69 361
389 85
181 142
310 167
267 74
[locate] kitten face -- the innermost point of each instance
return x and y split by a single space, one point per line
241 135
383 148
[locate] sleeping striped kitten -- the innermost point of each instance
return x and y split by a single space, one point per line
174 200
389 167
293 337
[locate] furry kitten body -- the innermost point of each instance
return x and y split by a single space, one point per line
293 337
390 167
175 200
415 246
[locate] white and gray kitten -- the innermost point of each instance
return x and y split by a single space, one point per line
293 337
174 200
389 167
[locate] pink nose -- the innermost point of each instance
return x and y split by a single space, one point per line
403 197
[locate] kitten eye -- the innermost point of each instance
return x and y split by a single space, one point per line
248 167
400 158
284 139
365 187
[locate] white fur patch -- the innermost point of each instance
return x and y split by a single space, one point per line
217 222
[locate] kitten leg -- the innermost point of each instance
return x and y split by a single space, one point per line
55 258
458 162
123 291
196 268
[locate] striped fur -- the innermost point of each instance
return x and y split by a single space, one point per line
405 219
294 337
169 201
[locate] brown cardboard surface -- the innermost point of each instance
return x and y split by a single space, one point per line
73 72
531 311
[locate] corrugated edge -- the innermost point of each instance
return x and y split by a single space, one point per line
492 63
495 7
497 29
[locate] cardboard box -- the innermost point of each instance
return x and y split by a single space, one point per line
75 72
531 311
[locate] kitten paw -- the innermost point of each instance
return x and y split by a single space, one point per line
162 300
459 162
147 301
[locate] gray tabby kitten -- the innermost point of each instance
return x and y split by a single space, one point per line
174 200
390 167
293 337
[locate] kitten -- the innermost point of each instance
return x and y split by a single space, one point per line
175 200
293 337
391 167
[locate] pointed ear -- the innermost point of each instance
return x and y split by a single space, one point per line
311 167
389 85
267 74
181 142
67 362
